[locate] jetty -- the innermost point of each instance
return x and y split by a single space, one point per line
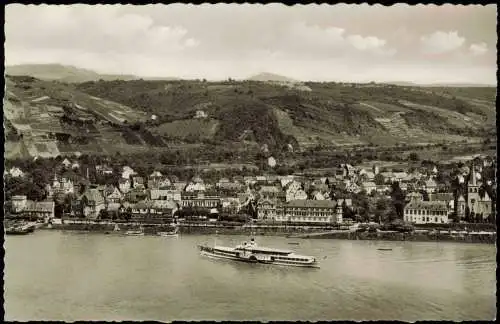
318 234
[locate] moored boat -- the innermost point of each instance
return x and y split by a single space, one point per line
139 232
168 234
19 228
173 233
18 231
134 233
251 253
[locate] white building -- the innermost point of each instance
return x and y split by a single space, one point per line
286 180
201 114
66 163
192 187
62 185
166 193
425 212
430 186
296 195
15 172
312 211
271 162
127 172
124 185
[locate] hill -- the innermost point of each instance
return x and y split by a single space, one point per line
108 116
329 114
69 74
48 118
270 77
440 85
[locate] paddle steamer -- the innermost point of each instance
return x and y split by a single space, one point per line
250 252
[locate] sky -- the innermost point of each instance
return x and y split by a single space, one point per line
350 43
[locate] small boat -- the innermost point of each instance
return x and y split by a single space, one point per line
139 232
173 233
168 234
251 253
293 243
17 231
20 228
28 227
384 249
134 233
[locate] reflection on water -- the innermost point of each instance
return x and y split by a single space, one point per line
68 276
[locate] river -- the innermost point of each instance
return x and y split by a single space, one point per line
53 275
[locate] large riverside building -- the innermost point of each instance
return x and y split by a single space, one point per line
23 207
423 212
301 211
200 200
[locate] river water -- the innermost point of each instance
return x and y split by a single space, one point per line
52 275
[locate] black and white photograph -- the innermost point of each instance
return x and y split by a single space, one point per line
250 162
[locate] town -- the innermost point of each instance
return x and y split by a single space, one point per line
96 189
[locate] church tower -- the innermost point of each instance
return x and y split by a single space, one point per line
472 191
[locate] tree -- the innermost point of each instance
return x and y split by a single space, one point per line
103 214
379 179
398 199
37 192
346 211
491 218
425 195
310 192
383 210
362 205
68 199
453 217
413 156
467 214
58 210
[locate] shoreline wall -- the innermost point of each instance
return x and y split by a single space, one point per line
416 237
296 233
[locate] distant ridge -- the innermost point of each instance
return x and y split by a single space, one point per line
270 77
460 85
69 74
452 85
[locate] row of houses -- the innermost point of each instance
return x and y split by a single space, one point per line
280 198
441 205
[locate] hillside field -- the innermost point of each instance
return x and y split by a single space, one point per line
103 115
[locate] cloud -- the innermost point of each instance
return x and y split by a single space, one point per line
370 44
478 49
322 42
441 42
365 43
315 36
101 30
332 40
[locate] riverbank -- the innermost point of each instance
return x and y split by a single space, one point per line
472 237
292 232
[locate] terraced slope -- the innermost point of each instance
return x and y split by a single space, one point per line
152 113
188 128
39 111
